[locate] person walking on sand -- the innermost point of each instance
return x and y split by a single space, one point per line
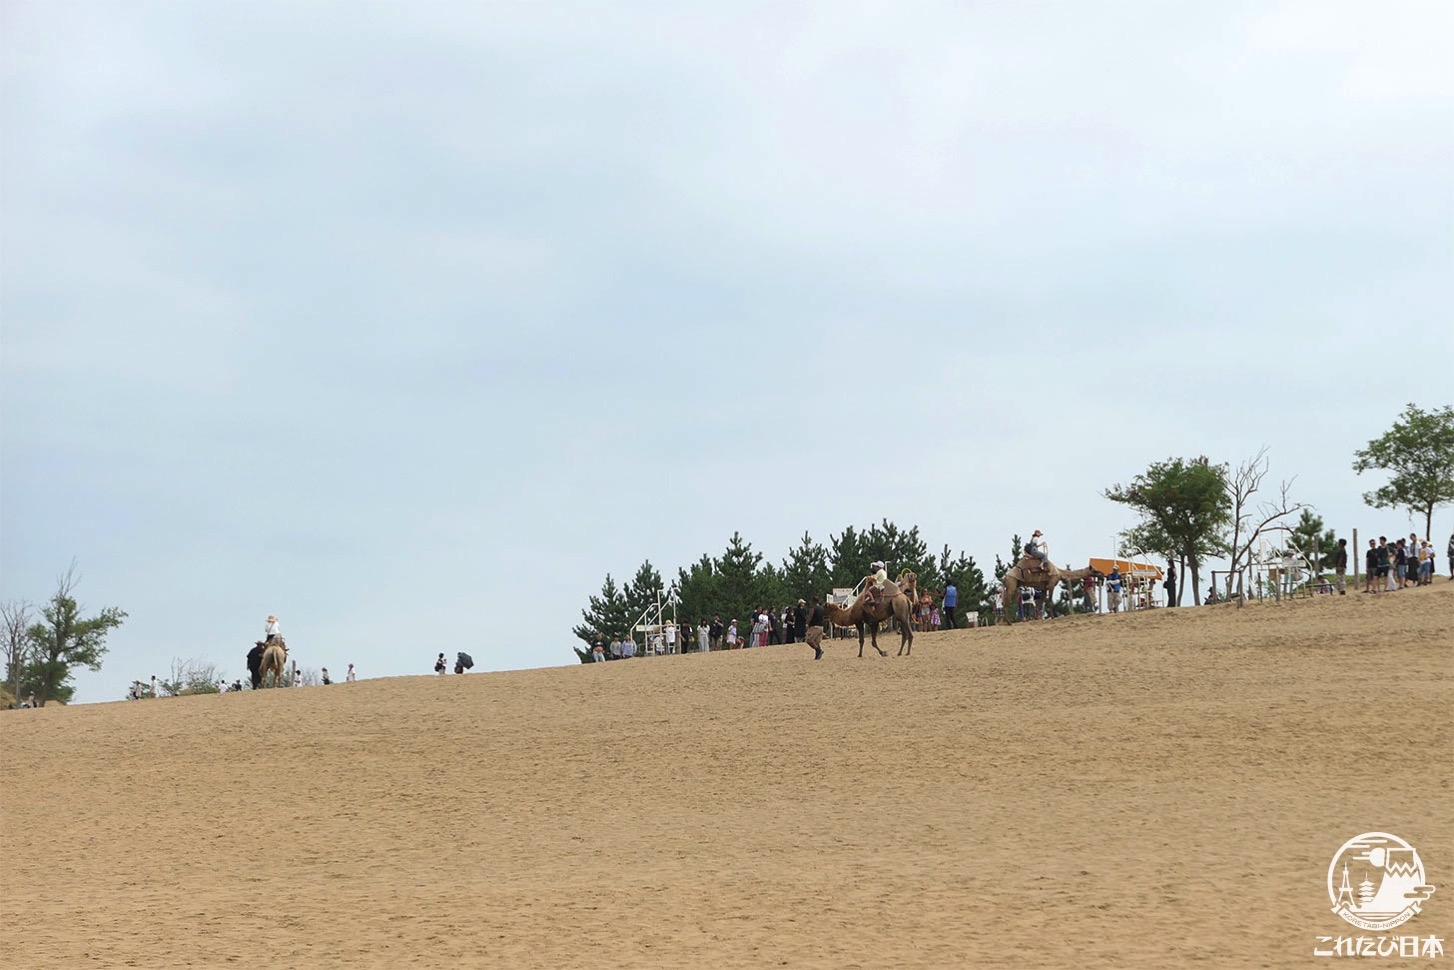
154 693
440 666
349 677
814 636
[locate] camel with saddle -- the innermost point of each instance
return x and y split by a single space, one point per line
274 661
894 601
1042 575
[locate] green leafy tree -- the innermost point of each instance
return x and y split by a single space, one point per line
64 641
1184 504
1419 452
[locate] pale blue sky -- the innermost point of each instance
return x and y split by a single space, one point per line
409 322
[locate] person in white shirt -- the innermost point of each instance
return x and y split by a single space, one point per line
1039 548
704 637
272 630
732 635
349 677
671 638
154 686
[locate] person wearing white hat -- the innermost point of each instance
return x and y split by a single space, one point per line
878 576
272 630
1039 548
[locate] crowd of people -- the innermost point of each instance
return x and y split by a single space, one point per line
1392 566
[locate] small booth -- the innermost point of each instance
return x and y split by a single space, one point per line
1139 579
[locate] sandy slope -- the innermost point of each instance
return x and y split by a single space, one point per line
1157 790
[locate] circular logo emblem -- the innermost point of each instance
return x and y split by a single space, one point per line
1376 881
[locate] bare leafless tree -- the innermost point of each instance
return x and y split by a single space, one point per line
1253 518
15 618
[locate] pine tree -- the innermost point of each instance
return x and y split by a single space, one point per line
974 595
607 616
1017 549
644 591
697 589
850 558
740 586
1309 535
806 571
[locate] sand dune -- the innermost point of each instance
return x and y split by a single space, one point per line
1165 789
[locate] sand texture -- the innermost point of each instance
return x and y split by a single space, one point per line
1159 790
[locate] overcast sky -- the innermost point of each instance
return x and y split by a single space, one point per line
409 322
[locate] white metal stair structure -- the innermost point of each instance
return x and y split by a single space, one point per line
653 621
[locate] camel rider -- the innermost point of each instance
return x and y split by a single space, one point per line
1039 548
876 580
272 631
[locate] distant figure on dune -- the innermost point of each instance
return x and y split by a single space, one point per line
1340 566
440 666
350 677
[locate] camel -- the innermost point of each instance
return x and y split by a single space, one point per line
1044 580
275 659
870 613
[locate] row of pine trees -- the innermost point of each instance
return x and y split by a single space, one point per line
741 579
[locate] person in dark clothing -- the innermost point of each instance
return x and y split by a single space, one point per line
1370 567
814 635
1340 565
715 633
800 620
1170 584
774 626
255 665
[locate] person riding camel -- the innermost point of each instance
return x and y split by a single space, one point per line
272 631
1039 548
876 580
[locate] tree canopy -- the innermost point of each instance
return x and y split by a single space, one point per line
64 641
1418 451
740 579
1184 510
